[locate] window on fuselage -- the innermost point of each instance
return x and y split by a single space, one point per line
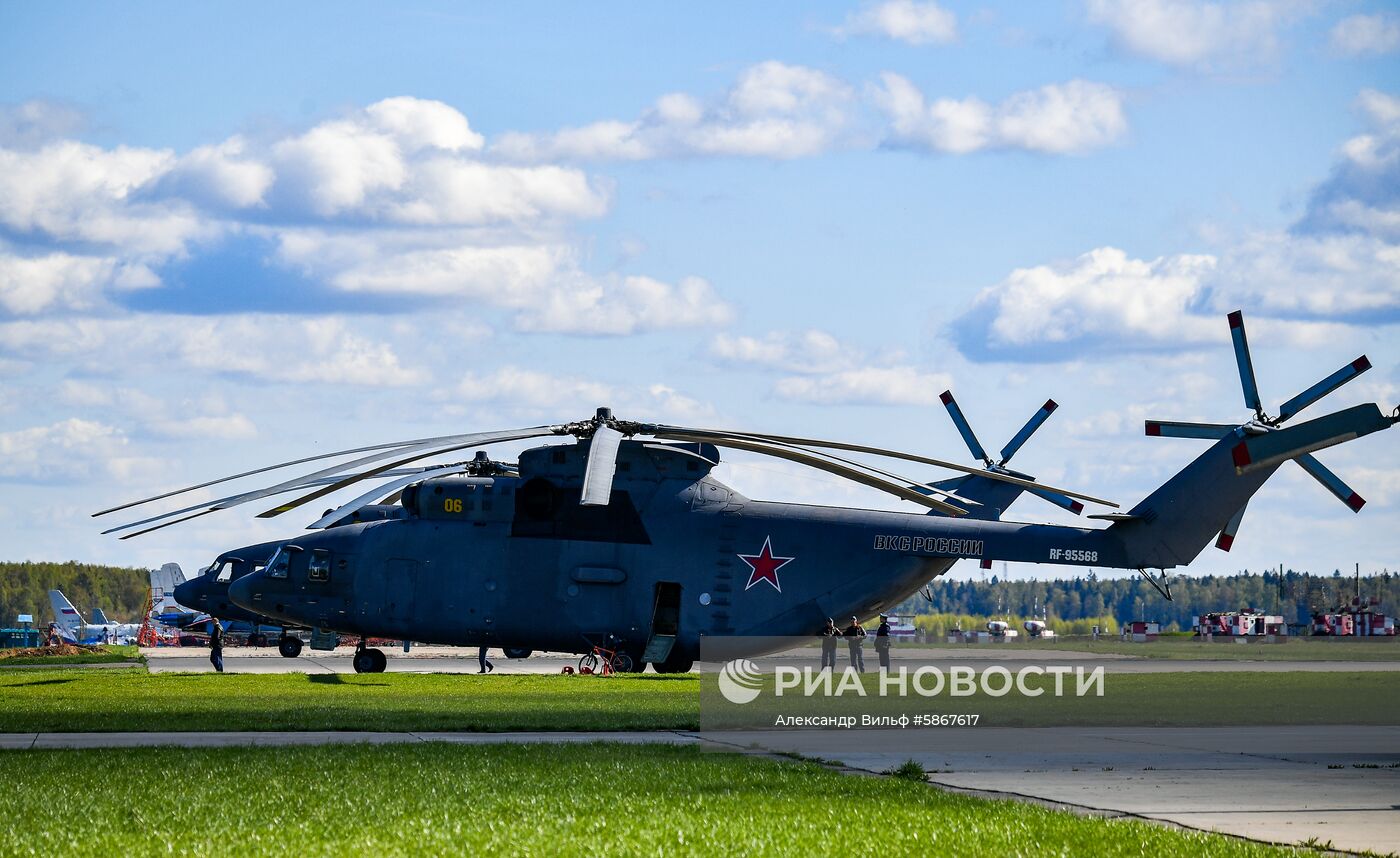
319 567
222 572
280 564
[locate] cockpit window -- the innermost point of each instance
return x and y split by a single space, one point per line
221 571
319 569
280 564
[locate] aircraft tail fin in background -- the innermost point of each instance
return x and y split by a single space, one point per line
65 615
1171 526
163 583
99 618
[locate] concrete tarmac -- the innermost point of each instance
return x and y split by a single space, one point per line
1337 784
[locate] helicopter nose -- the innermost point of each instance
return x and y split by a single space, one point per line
244 592
188 593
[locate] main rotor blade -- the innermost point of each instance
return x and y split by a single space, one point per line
1028 430
1179 429
214 504
1259 451
892 454
1331 482
1057 499
1324 387
480 439
964 428
253 473
601 466
820 464
1232 527
1246 365
898 479
379 491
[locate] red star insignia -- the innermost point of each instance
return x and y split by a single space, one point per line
765 566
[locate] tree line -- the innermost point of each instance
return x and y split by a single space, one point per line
122 593
1293 595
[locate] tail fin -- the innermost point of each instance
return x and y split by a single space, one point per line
1171 526
99 618
65 615
163 583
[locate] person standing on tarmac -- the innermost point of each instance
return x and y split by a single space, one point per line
830 637
486 666
882 642
855 640
216 644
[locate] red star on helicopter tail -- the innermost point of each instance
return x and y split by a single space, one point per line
765 566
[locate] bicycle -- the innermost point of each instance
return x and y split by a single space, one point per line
605 662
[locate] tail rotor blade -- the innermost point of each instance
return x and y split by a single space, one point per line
602 465
1331 482
964 428
1058 499
1179 429
1324 387
1028 430
1227 533
1251 387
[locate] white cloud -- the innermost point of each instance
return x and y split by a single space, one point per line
1366 35
327 350
881 385
1196 34
1362 193
1057 118
72 449
774 110
917 23
810 351
567 397
219 175
409 160
633 304
542 284
34 285
72 191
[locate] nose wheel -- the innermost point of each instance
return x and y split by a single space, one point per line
369 660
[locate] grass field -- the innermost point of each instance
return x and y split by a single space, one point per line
601 799
1294 649
110 654
76 701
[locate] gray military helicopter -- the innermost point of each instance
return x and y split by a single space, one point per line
626 538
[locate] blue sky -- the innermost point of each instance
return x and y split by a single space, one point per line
231 234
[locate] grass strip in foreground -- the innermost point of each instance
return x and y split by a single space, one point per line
104 701
598 799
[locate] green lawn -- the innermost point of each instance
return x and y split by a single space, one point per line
1294 649
104 700
524 800
111 653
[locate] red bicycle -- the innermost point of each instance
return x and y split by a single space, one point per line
605 662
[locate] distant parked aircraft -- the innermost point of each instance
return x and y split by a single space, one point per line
72 628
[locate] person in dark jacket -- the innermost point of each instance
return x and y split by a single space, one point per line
855 640
830 637
883 641
216 644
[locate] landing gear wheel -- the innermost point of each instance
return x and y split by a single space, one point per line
674 664
289 646
370 661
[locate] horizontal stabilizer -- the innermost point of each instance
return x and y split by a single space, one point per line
1261 451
